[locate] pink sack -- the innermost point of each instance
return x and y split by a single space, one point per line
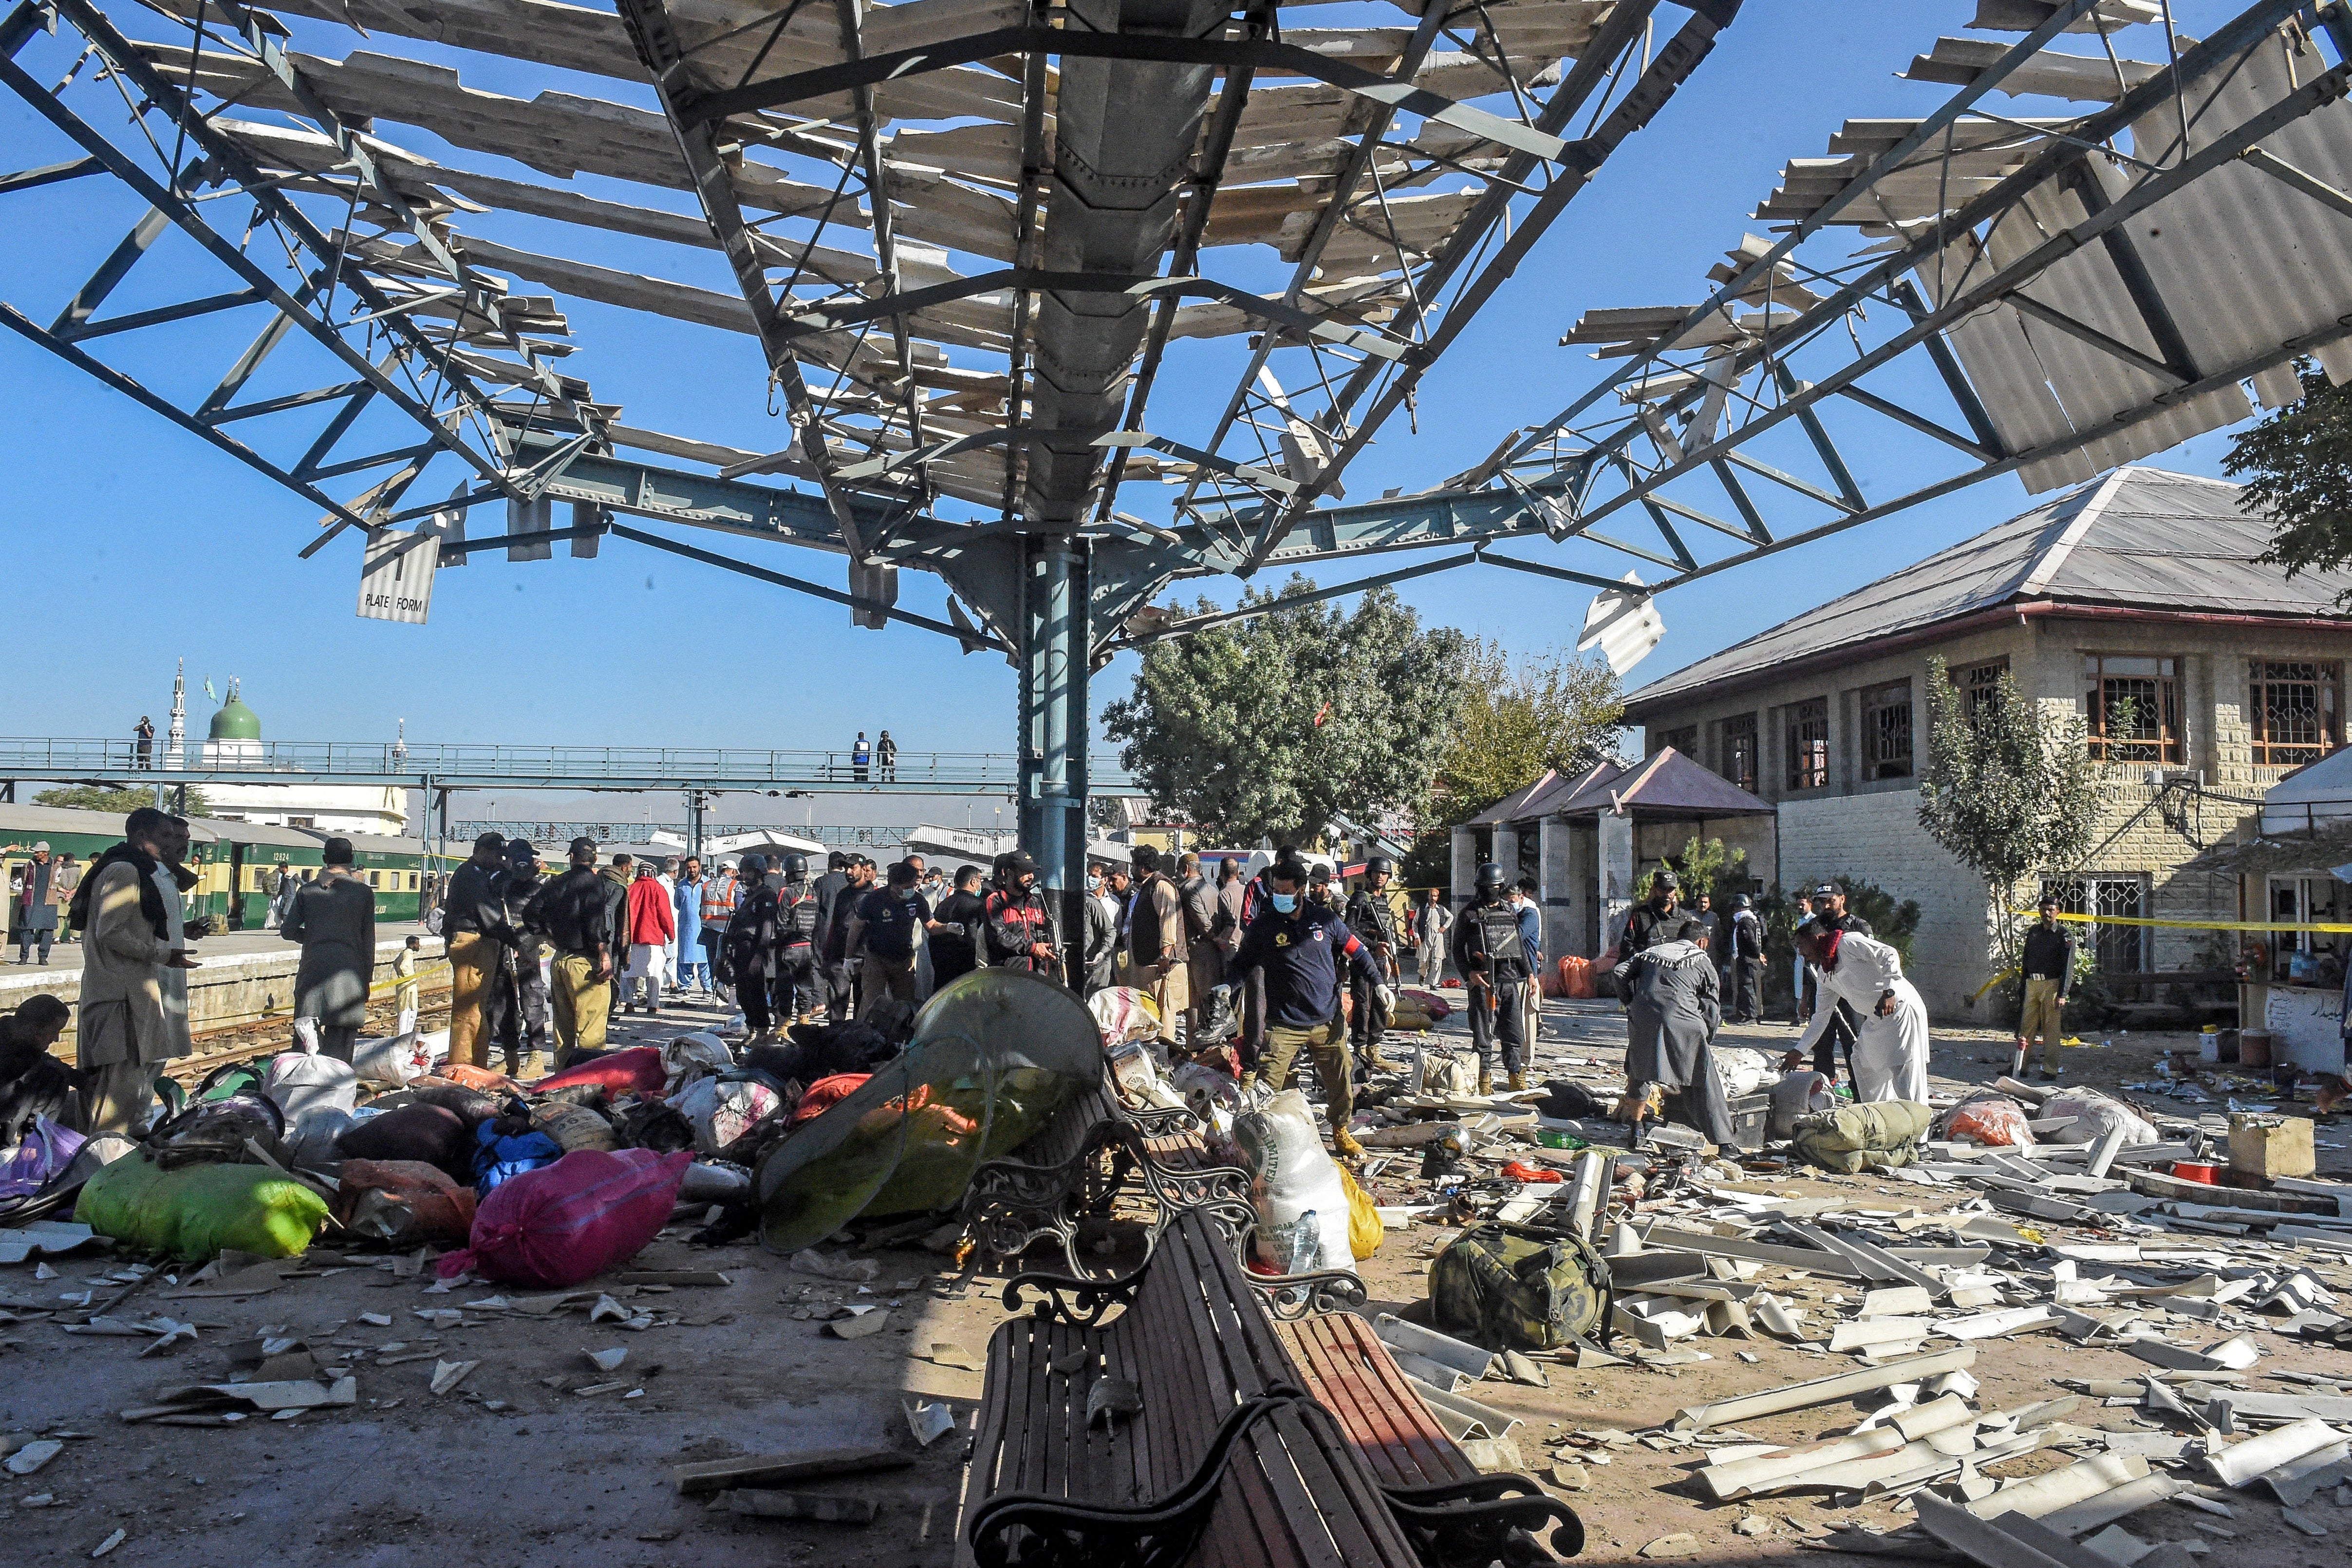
637 1070
571 1221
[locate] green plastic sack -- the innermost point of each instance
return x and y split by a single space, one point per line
1880 1136
194 1212
1520 1287
995 1053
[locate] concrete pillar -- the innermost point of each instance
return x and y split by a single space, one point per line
1556 889
1584 927
1465 864
1506 850
1614 882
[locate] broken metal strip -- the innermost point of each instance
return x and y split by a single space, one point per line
1259 54
183 215
1671 66
2269 162
34 178
862 605
2219 49
2025 304
832 317
1264 479
1622 27
657 45
15 320
2320 90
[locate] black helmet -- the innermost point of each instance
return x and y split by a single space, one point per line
520 853
1491 878
1379 865
753 866
1742 902
796 868
1663 877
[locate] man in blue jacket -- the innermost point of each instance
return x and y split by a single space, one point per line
1296 944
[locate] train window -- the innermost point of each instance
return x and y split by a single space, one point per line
411 881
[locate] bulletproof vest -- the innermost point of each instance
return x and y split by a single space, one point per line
799 919
1499 934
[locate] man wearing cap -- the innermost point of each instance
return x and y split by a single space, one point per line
1662 919
34 911
1019 919
652 917
471 913
1155 936
884 931
1828 901
2047 965
574 913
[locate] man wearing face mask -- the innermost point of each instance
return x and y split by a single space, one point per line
883 933
1019 919
1298 945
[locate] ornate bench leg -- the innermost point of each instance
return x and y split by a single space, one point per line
1478 1523
1034 1530
1011 1206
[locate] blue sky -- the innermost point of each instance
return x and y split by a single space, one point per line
134 543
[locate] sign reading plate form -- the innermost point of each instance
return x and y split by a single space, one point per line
396 575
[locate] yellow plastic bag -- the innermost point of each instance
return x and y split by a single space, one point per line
1365 1231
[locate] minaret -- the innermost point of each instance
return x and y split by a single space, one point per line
176 750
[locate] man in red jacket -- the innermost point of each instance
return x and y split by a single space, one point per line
652 926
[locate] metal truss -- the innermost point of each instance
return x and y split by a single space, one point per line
1749 417
411 365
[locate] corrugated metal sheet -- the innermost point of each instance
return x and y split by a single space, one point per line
2153 541
2241 262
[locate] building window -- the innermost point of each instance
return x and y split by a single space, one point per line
1736 750
1979 687
2133 706
2115 949
1685 739
1886 731
2308 958
301 822
2291 707
1809 743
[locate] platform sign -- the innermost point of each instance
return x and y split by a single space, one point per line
396 575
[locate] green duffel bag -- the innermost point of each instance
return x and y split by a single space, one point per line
1520 1287
1882 1135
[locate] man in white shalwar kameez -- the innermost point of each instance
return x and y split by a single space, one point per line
1890 1055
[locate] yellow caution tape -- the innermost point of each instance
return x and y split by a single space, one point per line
2337 928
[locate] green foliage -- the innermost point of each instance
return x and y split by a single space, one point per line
1892 920
1266 729
2009 793
2297 466
116 801
1552 709
1708 868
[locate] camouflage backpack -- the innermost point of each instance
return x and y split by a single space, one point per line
1522 1287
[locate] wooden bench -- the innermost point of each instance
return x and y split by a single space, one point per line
1453 1511
1227 1463
1039 1190
1042 1188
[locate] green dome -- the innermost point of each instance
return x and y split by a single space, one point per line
236 722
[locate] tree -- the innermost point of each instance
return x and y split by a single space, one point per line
2297 466
116 801
2011 789
1551 709
1270 727
1702 867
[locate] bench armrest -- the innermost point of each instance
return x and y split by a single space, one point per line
1154 1121
1290 1296
1037 1530
1078 1300
1484 1521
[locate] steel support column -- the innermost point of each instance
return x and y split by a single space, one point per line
1055 647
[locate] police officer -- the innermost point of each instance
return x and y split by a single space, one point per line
833 899
750 950
1298 944
1492 959
515 1016
1662 919
797 981
1019 919
1746 961
1373 917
